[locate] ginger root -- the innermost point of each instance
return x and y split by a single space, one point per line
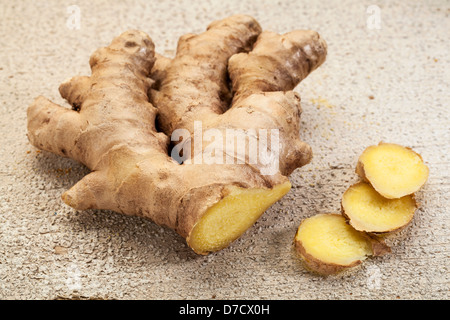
232 76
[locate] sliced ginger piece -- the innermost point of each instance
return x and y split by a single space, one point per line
328 245
228 219
369 211
393 170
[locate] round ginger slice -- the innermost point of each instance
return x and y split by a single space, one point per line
368 211
328 245
393 170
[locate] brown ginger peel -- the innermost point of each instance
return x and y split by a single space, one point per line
125 112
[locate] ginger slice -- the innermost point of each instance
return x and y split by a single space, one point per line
393 170
368 211
328 245
229 218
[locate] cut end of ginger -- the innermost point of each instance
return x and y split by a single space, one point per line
329 245
368 211
393 170
229 218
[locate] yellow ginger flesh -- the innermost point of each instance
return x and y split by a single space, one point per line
393 170
328 238
371 212
232 216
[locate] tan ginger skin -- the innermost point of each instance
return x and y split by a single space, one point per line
111 128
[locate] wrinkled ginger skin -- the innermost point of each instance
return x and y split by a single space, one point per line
112 102
112 125
275 66
261 82
116 139
276 63
195 82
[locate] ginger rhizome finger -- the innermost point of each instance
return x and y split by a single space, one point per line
195 83
124 115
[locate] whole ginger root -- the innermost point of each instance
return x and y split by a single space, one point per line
232 76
